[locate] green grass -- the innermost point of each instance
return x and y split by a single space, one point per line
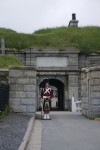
86 39
4 112
97 116
9 60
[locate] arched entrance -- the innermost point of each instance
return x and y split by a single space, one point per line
58 92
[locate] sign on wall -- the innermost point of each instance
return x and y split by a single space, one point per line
51 61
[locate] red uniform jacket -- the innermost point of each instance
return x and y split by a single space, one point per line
47 92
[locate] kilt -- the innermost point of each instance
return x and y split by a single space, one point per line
47 104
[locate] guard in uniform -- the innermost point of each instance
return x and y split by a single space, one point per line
46 95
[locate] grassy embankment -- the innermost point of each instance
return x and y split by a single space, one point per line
86 39
9 60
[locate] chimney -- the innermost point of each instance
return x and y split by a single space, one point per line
73 22
73 16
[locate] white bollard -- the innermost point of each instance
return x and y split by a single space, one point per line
73 104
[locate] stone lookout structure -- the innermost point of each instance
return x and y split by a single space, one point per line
73 22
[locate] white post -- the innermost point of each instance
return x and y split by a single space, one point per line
73 104
3 45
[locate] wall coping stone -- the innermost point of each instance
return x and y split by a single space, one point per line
57 70
4 69
32 68
53 50
86 70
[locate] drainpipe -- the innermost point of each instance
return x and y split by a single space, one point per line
91 114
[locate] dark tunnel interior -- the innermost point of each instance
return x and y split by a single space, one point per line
60 90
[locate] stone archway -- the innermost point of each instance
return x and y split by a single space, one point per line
60 91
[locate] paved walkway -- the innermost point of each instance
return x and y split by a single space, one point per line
68 131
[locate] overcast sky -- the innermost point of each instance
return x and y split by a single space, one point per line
30 15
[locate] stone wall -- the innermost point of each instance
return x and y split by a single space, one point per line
90 82
88 60
73 85
71 54
75 60
22 96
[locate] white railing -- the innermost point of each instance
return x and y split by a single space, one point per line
75 106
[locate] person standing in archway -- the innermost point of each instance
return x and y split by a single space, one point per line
46 95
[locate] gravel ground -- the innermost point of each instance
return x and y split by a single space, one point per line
12 131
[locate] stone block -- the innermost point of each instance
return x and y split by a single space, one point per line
28 56
12 87
21 108
75 56
15 101
95 95
95 81
30 94
95 74
84 82
23 81
83 106
83 76
32 81
30 109
30 74
70 67
96 102
33 63
86 100
17 94
15 73
73 90
84 93
86 106
12 80
73 80
73 63
30 88
73 84
28 63
83 111
16 87
97 109
12 94
95 88
23 94
27 101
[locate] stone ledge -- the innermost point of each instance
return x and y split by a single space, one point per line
32 68
86 70
4 69
53 50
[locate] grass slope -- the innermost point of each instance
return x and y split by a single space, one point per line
9 60
86 39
